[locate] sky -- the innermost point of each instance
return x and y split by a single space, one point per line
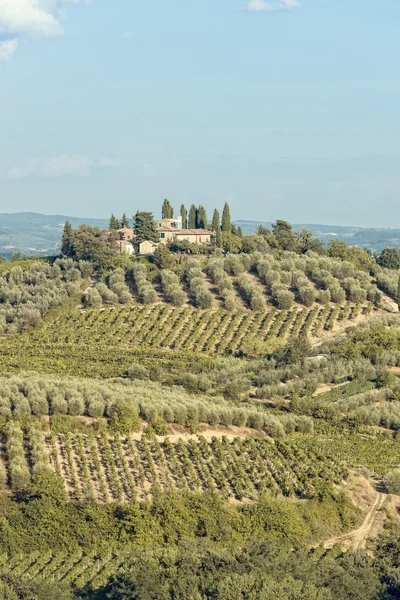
284 109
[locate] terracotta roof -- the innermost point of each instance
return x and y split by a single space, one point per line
149 242
194 232
126 230
169 229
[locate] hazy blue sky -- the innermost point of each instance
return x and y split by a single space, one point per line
284 109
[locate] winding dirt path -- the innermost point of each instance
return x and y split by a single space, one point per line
358 537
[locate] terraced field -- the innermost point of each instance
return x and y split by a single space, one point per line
107 469
114 469
190 329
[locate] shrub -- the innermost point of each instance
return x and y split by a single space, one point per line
284 299
324 296
124 418
338 294
204 298
251 293
233 265
229 302
137 371
257 302
172 290
392 482
307 295
145 290
93 298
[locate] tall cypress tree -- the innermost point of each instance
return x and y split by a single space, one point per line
218 238
124 221
114 223
67 240
192 217
167 211
240 231
184 216
216 223
226 219
202 221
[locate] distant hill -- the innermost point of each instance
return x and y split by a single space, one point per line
33 233
374 239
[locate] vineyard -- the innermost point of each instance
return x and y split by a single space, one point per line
75 570
190 329
379 453
79 570
118 469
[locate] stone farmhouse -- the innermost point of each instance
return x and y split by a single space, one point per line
126 234
171 229
167 229
147 247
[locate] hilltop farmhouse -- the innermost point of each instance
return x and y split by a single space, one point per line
168 230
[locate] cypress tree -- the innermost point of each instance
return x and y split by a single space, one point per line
184 216
216 223
167 211
124 221
240 231
226 219
192 217
67 240
202 222
114 223
218 238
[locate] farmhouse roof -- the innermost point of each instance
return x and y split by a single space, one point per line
194 232
149 242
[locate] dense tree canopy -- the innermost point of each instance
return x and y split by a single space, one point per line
145 227
88 244
389 258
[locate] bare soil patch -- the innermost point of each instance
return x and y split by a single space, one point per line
365 497
322 389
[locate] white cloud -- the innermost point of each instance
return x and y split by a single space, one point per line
108 162
31 19
127 35
7 49
60 166
268 7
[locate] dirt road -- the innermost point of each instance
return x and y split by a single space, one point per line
358 537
